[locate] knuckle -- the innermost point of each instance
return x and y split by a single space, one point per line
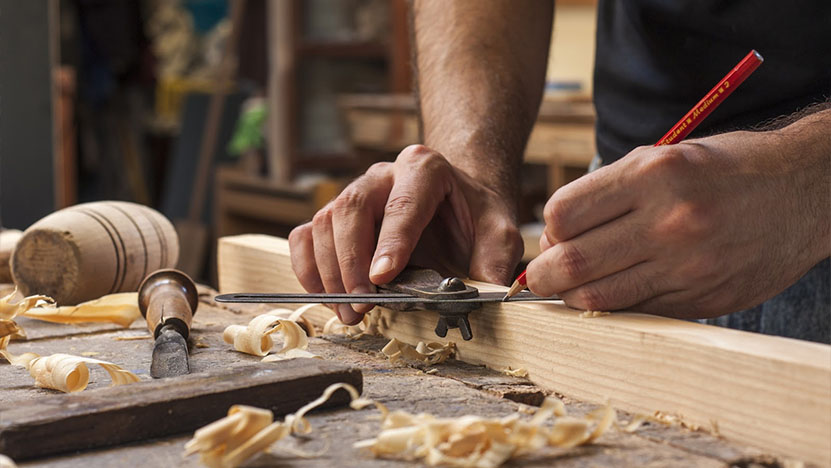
687 221
379 168
399 205
350 199
300 234
422 159
669 162
572 261
323 216
592 298
555 214
349 261
414 151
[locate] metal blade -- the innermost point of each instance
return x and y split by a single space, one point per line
170 354
378 298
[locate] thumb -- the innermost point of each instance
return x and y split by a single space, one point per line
496 254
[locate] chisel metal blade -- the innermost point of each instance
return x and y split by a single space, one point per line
170 354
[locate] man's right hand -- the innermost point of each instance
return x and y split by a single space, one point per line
420 210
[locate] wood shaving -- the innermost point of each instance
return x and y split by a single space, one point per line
9 310
6 462
90 353
521 372
132 337
200 343
290 354
255 338
593 314
298 316
64 372
428 353
121 309
247 431
465 441
635 423
474 441
9 329
431 371
368 326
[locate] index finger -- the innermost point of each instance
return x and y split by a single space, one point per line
422 181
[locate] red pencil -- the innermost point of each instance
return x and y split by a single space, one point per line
687 124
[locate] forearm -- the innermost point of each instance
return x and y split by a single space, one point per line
480 73
805 148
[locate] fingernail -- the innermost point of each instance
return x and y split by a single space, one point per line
349 316
380 266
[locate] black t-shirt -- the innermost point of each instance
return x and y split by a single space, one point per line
656 58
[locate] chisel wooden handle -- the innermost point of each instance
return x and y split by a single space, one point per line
168 297
89 250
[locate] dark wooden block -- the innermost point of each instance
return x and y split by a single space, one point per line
157 408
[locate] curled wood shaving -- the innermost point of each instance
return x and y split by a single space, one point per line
298 316
247 430
367 326
6 462
474 441
255 338
521 372
427 353
121 309
593 314
290 354
9 310
64 372
9 328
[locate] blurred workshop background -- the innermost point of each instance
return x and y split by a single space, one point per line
238 116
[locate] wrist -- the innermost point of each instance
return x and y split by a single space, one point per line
488 165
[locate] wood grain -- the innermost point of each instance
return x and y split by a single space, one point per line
770 392
156 408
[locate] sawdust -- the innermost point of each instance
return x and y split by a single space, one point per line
593 314
520 372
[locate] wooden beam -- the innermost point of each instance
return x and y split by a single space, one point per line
162 407
770 392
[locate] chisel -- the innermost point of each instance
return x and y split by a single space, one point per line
168 299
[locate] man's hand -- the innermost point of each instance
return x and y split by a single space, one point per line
694 230
421 210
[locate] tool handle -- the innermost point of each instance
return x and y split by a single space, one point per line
86 251
168 297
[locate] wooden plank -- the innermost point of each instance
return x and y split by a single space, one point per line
769 392
155 408
462 391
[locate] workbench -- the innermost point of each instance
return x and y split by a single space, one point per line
455 388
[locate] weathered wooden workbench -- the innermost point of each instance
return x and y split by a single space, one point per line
455 389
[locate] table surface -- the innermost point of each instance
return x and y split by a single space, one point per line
455 388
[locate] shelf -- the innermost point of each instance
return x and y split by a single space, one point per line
343 49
